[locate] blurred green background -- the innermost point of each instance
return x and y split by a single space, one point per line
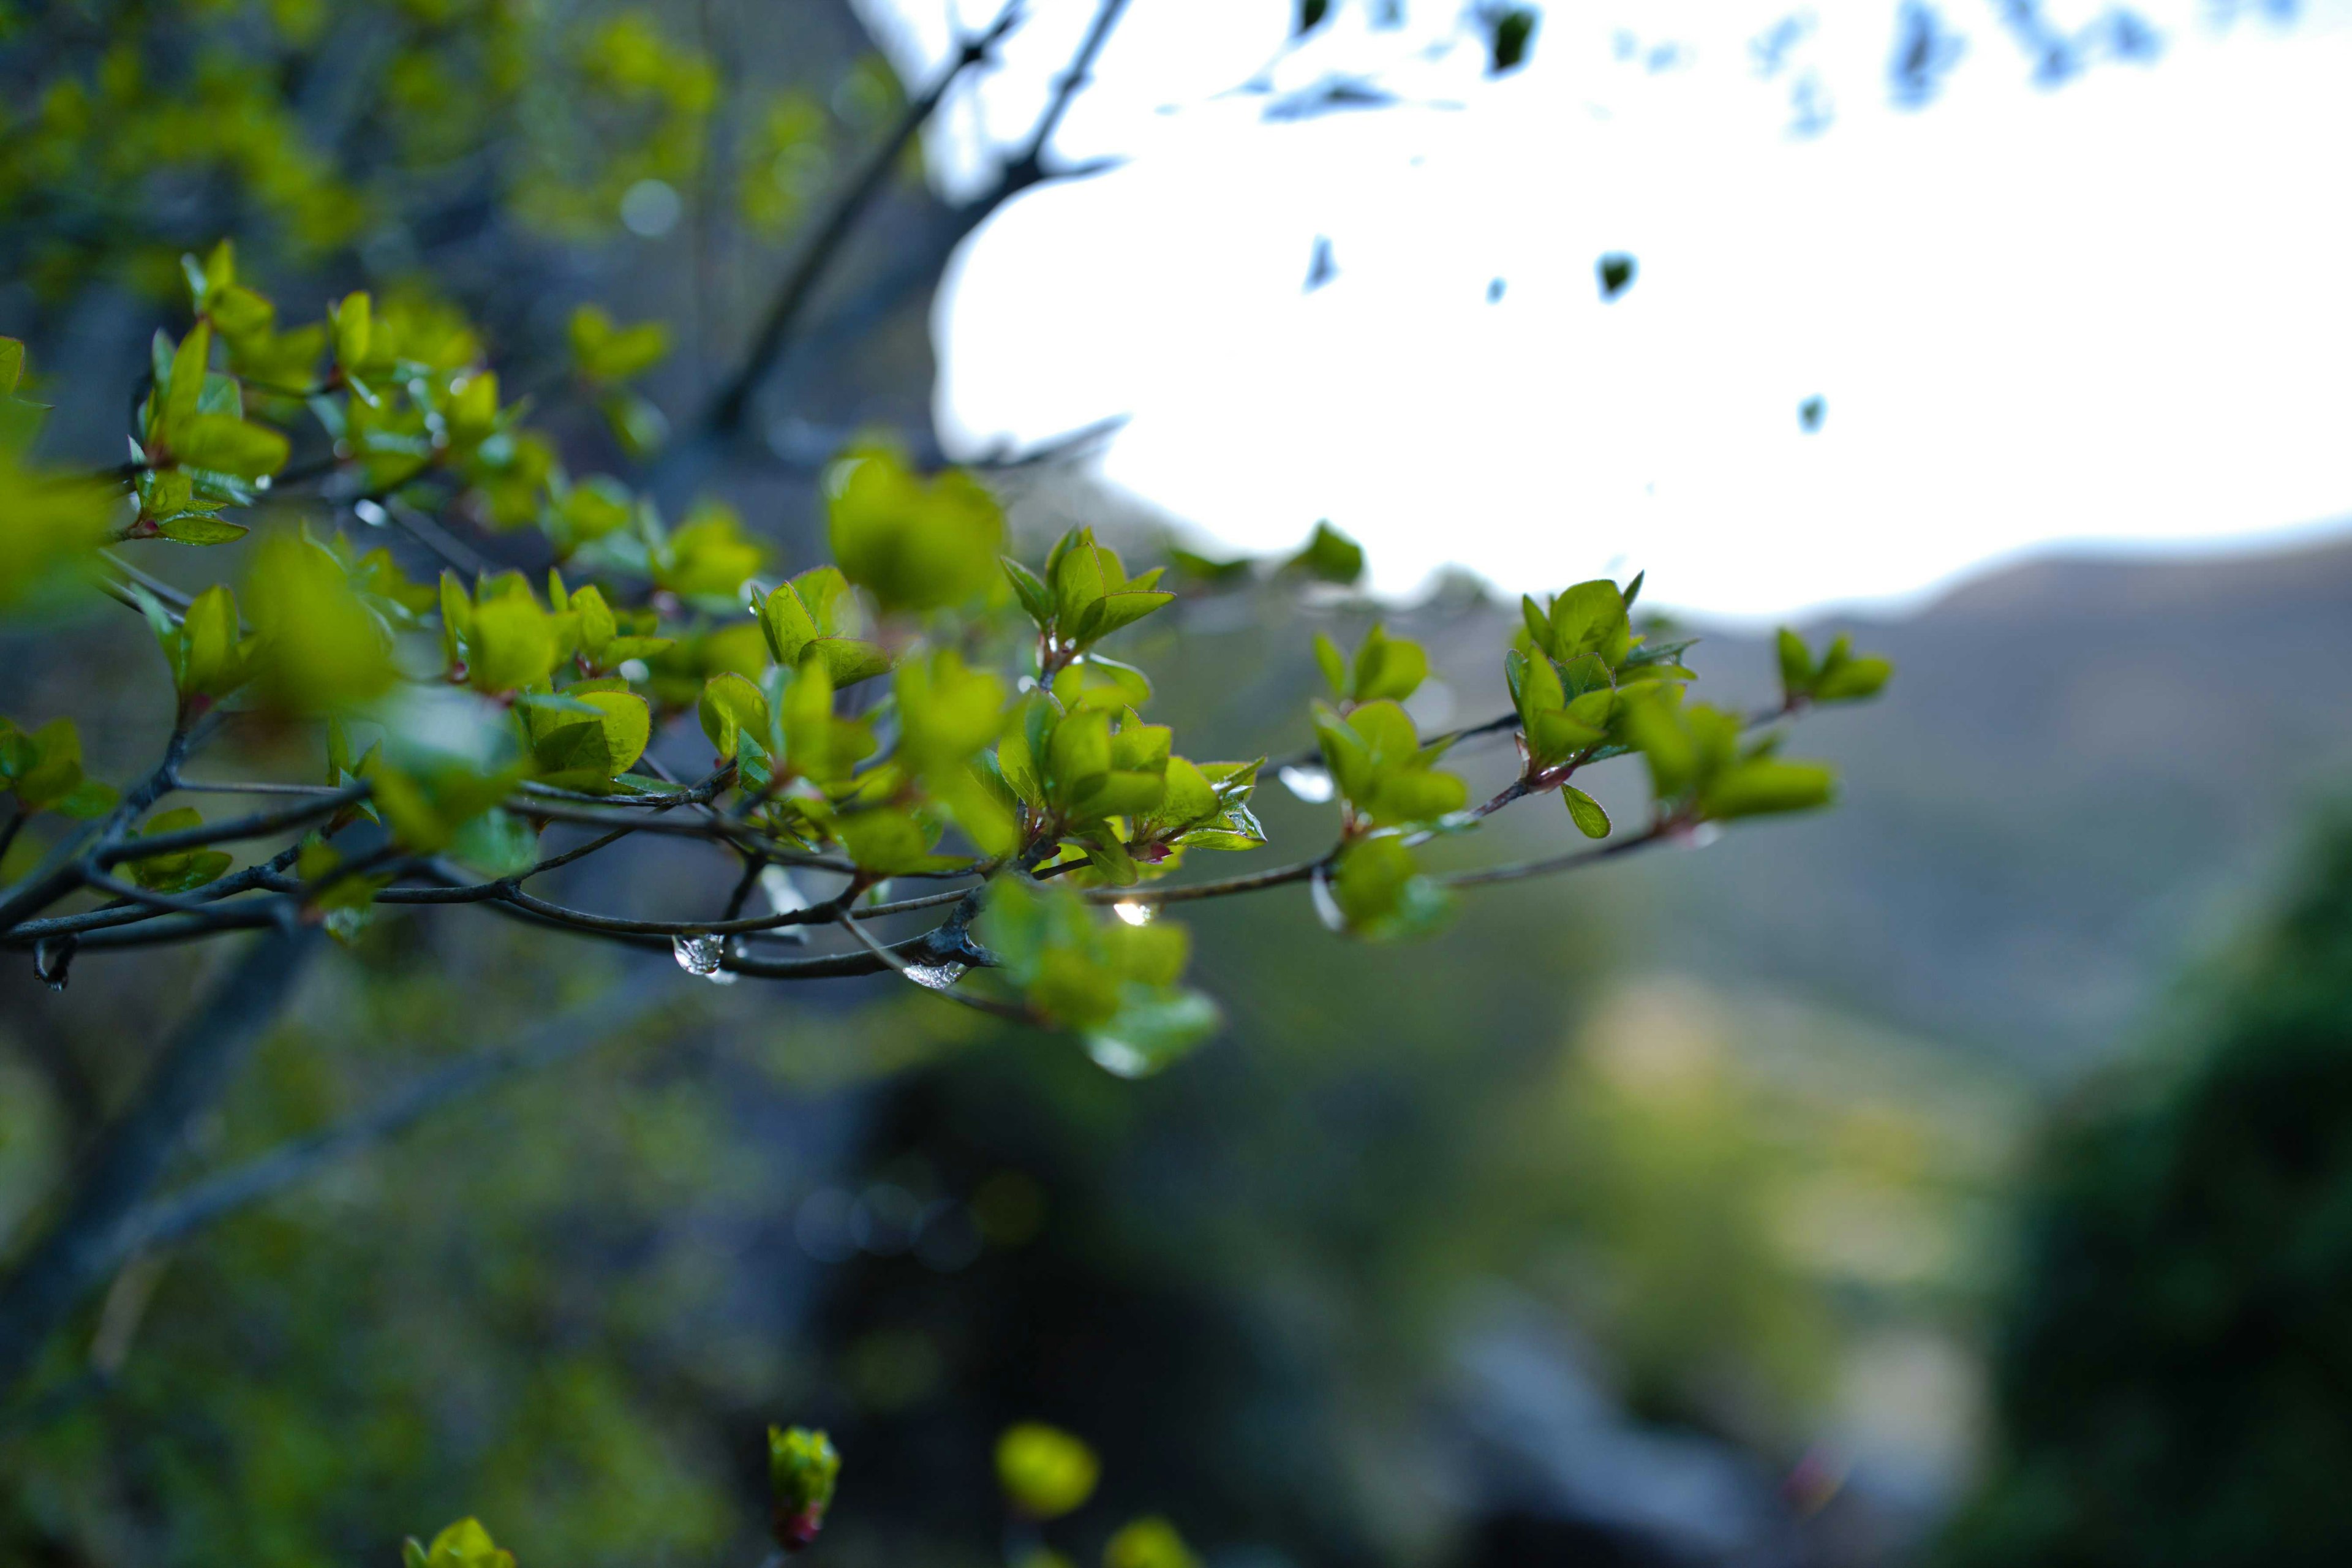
1958 1174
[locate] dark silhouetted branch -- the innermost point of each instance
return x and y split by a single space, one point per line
734 400
191 1208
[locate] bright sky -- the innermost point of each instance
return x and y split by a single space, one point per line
2117 312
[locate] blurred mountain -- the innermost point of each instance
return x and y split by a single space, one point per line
2084 770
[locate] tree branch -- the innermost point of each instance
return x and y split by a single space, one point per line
728 410
1575 859
887 956
191 1207
1066 88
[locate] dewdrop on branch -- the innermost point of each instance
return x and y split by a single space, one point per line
701 955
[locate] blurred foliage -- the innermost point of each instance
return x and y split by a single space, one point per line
2170 1388
130 129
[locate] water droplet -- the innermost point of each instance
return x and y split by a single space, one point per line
938 976
650 208
53 960
1327 903
636 671
1115 1055
701 955
370 512
784 898
1701 836
1134 913
1310 782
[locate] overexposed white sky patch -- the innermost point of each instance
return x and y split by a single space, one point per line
2119 310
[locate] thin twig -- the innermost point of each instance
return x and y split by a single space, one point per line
1067 86
260 824
1280 876
191 1208
728 410
1555 864
189 1076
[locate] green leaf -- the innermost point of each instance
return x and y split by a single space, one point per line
184 386
1095 681
1590 618
1763 785
1377 893
195 528
226 444
1538 626
946 712
1079 760
1387 667
352 318
1149 1542
211 656
1189 796
464 1544
1796 665
637 423
1333 664
1845 677
731 708
1854 680
605 351
1044 1471
848 661
1615 269
594 509
1036 599
710 556
1148 1034
178 872
1329 557
588 754
424 804
915 544
1585 812
89 799
790 618
1081 572
1114 611
510 644
497 844
1652 726
1207 570
46 764
891 842
240 313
